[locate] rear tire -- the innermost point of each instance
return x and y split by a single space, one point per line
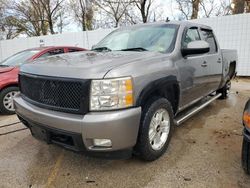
225 90
156 129
245 156
6 100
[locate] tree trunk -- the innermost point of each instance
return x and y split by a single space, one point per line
143 13
247 6
89 18
43 27
83 22
239 6
116 23
195 9
51 26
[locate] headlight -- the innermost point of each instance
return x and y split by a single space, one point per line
109 94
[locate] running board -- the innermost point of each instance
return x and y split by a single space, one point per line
193 111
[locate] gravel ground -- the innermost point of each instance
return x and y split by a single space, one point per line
205 151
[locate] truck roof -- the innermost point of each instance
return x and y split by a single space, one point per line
180 23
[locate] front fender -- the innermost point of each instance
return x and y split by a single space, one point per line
167 87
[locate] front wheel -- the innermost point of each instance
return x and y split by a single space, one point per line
6 100
155 130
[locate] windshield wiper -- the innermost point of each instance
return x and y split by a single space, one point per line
140 49
101 49
4 65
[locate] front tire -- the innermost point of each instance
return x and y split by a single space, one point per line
6 100
155 129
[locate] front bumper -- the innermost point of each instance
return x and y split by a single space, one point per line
77 132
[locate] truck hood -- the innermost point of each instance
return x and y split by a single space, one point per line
83 65
6 69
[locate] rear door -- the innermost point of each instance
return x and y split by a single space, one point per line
213 61
192 71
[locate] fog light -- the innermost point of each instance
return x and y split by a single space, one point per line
102 142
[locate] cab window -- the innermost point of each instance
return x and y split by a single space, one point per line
208 36
74 50
53 52
192 34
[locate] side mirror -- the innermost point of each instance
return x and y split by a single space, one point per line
196 47
93 46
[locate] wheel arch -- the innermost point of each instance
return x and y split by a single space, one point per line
167 87
9 85
232 69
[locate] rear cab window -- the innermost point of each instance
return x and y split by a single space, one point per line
74 50
53 52
208 36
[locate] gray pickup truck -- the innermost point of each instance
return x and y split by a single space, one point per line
127 94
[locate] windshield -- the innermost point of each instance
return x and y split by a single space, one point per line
160 38
19 58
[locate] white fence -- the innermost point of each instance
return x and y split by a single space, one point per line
79 39
233 32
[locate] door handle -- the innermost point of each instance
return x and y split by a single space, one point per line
204 64
219 60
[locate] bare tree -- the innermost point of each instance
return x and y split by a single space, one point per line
7 24
238 6
35 17
189 8
215 8
83 13
184 7
195 9
225 9
25 18
51 8
62 20
208 10
10 28
116 9
144 7
131 16
247 6
39 15
1 19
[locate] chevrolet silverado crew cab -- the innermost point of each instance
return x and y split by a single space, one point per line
128 93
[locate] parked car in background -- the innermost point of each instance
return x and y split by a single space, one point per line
9 70
128 93
246 139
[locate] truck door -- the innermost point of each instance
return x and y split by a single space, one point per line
213 60
192 71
